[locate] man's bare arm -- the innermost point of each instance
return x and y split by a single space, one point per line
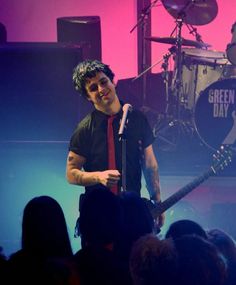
151 174
76 175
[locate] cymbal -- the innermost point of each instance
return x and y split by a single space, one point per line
173 41
193 12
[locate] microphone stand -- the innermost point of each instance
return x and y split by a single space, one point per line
145 13
123 157
122 136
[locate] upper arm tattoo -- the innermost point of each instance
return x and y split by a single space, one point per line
70 158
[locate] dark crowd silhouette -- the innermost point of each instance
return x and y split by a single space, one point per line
118 246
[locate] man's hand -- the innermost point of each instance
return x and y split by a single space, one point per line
75 174
109 178
159 221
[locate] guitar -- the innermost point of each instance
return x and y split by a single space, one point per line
221 159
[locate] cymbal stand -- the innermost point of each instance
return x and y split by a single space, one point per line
178 79
165 75
164 65
178 83
175 125
193 31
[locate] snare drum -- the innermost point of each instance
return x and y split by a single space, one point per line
215 114
231 48
200 68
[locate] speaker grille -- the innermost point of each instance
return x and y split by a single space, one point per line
85 30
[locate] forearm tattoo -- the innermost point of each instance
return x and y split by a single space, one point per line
78 177
153 183
81 178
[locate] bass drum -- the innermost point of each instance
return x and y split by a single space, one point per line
200 68
215 114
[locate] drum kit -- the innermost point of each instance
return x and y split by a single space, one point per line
201 96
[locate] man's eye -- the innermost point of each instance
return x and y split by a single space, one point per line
104 82
93 88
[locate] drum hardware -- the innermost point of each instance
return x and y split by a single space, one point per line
142 23
184 13
193 12
178 41
145 13
166 79
165 76
150 67
173 41
176 122
178 117
178 79
193 31
167 133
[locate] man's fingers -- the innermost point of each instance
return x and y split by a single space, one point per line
114 174
113 180
113 177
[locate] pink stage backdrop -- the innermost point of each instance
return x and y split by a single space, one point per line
31 20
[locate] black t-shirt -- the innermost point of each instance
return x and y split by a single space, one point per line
90 141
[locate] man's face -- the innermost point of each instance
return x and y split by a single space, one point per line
100 91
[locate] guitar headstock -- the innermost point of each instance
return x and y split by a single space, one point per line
222 158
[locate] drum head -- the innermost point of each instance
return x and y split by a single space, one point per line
215 114
205 56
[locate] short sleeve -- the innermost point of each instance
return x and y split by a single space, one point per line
79 142
147 133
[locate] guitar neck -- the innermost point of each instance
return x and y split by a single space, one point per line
173 199
222 158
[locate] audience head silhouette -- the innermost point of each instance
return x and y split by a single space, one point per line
100 217
44 229
153 261
226 245
137 221
185 227
46 250
224 242
199 261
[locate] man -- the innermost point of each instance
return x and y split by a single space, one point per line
88 159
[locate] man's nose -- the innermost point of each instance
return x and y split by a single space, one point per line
100 87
